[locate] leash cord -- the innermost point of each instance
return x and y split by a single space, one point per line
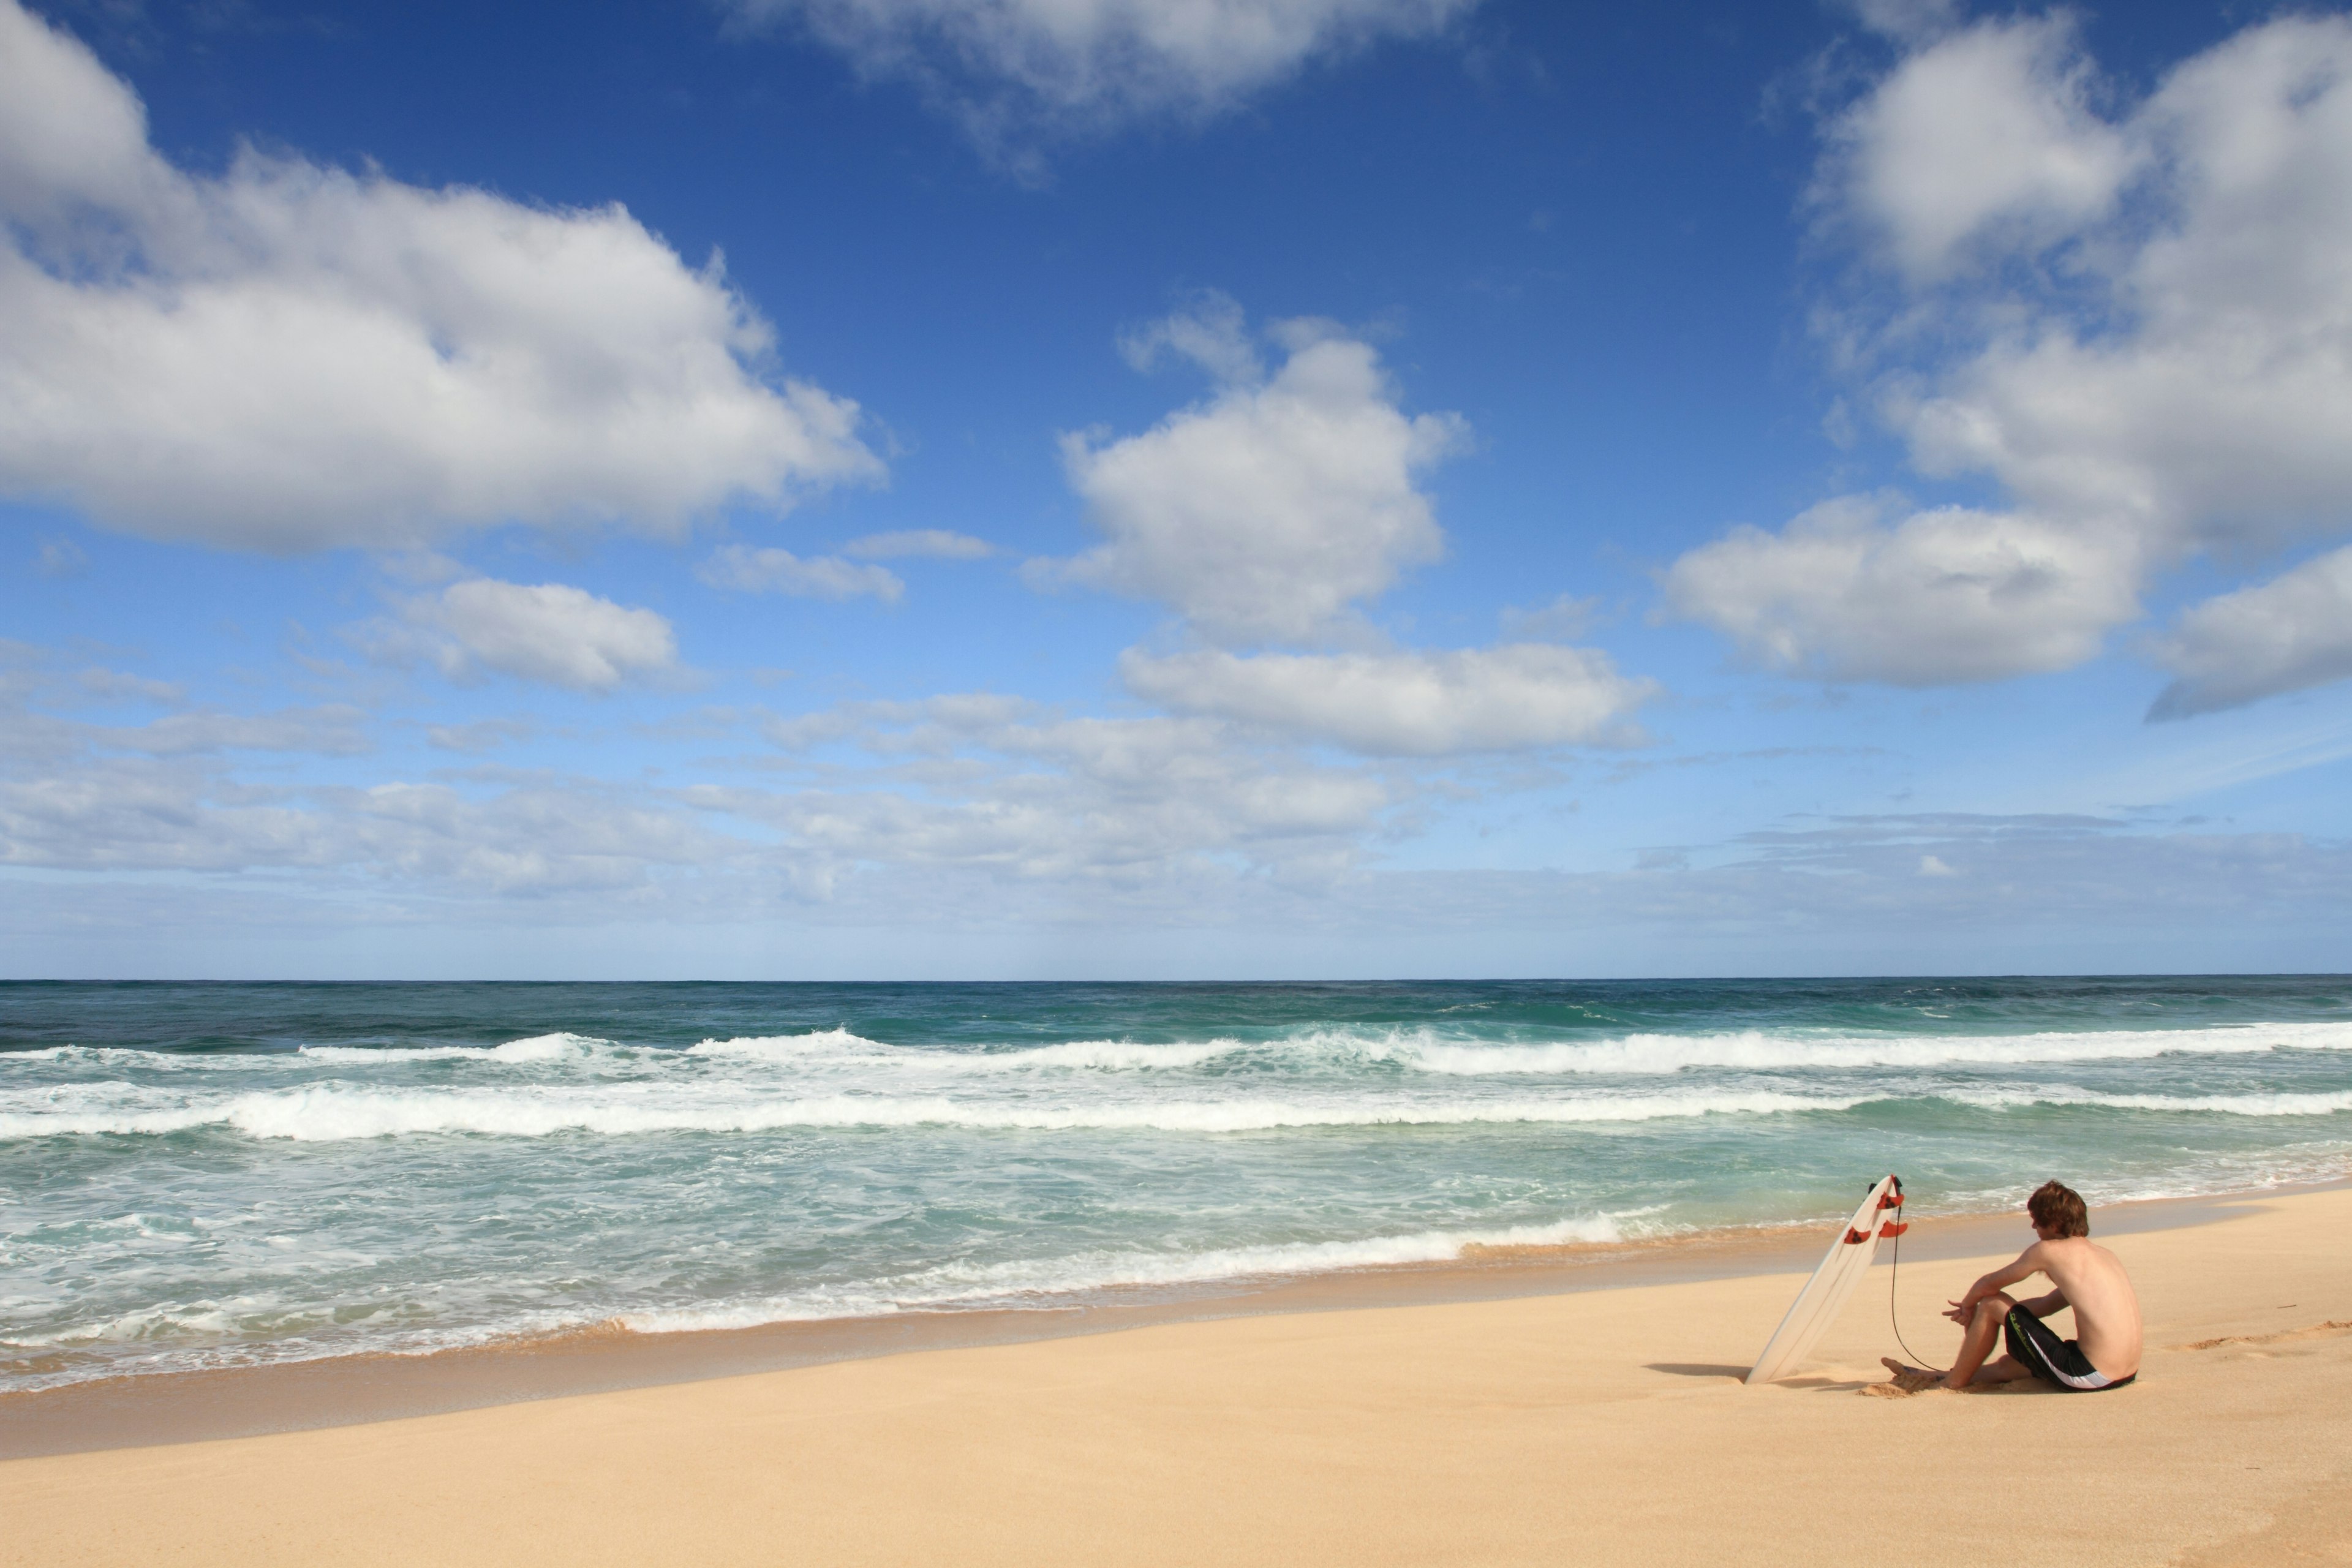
1895 1273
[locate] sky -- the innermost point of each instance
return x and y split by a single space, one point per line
1173 489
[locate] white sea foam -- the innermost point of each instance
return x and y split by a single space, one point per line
816 1044
132 1057
1424 1050
1412 1048
329 1112
535 1049
2218 1104
1759 1050
1112 1056
1050 1281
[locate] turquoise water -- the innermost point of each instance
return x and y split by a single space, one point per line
200 1175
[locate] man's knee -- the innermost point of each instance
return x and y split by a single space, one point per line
1994 1308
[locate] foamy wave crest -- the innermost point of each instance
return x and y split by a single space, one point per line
818 1044
1113 1056
331 1112
147 1060
2215 1104
1050 1281
176 1320
1759 1050
1101 1270
555 1047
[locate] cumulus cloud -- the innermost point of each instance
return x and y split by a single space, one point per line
1269 514
1991 128
546 631
1860 588
1007 785
2214 410
291 357
1405 703
749 570
2134 318
938 543
2292 632
1265 512
1014 69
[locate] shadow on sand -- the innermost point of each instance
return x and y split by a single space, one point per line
1697 1369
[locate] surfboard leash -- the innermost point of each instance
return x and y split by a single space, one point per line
1893 1274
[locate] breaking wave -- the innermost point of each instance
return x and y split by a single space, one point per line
331 1112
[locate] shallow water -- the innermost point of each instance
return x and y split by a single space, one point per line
195 1176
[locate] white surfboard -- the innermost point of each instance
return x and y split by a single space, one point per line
1817 1305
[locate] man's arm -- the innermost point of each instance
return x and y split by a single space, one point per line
2027 1263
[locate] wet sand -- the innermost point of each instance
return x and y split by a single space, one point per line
1580 1407
179 1407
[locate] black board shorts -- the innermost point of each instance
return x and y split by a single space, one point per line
2061 1362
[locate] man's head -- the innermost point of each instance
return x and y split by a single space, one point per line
2058 1211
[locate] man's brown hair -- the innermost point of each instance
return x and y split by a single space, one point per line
2056 1207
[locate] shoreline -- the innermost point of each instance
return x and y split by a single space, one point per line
166 1408
1605 1426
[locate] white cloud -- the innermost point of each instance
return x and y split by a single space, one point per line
1989 128
1000 783
1012 68
115 685
482 735
546 631
2292 632
746 570
331 730
1267 511
1934 865
60 558
1212 331
1423 704
1851 591
938 543
2203 391
1908 20
2138 322
291 357
1269 514
1566 616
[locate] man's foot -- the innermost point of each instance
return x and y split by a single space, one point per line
1911 1379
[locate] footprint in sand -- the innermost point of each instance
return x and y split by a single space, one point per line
2316 1331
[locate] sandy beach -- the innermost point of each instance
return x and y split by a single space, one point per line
1603 1425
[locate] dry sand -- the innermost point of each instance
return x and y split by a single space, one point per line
1603 1427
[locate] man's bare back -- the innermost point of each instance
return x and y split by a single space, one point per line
2089 1278
2092 1280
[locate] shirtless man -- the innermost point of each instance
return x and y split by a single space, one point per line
2090 1280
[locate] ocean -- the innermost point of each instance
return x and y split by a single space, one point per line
206 1176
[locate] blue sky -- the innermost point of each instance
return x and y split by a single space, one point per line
984 488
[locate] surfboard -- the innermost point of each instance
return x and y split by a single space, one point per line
1817 1305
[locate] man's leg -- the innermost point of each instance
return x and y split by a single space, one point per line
1983 1332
